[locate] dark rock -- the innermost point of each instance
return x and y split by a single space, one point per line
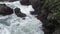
50 26
12 0
25 2
18 13
35 3
4 10
42 13
57 31
9 0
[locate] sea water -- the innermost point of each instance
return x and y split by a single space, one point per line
11 24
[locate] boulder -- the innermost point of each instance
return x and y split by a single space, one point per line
4 10
18 13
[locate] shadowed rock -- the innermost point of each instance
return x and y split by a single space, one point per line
25 2
18 13
42 13
9 0
4 10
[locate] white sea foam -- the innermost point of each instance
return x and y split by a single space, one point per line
31 25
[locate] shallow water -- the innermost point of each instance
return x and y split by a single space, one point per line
11 24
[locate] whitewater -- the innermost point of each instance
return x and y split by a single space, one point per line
11 24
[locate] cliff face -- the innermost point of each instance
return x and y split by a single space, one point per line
48 12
